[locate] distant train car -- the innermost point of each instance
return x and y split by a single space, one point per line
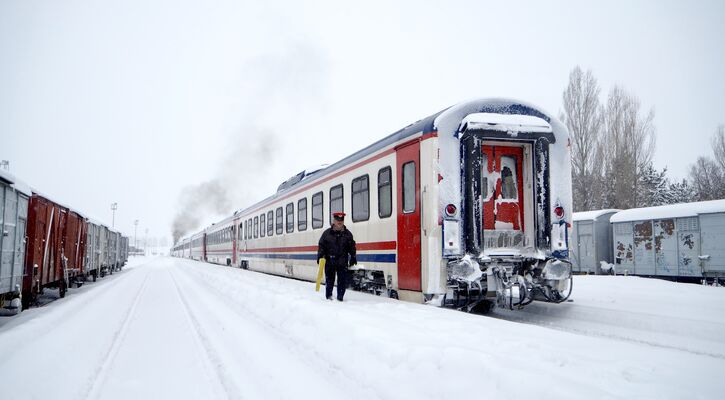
92 266
124 251
679 241
220 242
198 247
52 242
469 206
45 244
591 241
14 197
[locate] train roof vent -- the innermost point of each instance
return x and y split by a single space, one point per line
300 176
291 181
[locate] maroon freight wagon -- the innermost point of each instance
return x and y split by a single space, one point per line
55 248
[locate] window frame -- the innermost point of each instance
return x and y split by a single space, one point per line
256 226
341 198
278 221
270 223
302 211
403 191
321 207
365 178
262 224
389 185
289 211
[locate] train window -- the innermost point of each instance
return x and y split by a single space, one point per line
240 232
409 187
270 223
337 203
256 227
317 210
302 214
290 218
278 221
508 178
361 199
262 225
385 193
251 228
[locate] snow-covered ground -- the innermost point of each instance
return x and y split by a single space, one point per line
176 329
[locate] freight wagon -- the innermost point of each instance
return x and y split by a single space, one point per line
591 241
14 197
685 242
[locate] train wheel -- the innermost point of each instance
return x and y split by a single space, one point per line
95 275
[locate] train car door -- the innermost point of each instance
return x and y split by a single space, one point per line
502 188
665 247
409 233
688 247
712 237
585 246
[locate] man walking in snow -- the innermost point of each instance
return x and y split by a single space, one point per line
337 247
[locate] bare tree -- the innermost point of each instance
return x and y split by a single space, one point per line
707 179
582 116
718 147
628 147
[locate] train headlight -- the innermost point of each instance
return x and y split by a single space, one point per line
451 210
559 212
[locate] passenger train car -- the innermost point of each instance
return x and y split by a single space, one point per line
468 207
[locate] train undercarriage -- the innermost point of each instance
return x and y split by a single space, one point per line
478 284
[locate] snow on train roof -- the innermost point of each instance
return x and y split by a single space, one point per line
511 123
16 183
592 215
518 116
670 211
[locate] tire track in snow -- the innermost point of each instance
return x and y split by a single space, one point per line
301 351
212 359
99 376
542 315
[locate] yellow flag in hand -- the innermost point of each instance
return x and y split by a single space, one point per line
321 261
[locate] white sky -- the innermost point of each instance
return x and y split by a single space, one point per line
137 99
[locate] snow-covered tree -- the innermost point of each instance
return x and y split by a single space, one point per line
654 187
681 192
582 116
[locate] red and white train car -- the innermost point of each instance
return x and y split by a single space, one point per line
467 206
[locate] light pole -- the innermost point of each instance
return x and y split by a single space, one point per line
135 238
114 207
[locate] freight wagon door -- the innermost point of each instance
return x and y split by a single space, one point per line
688 246
503 196
408 192
712 233
587 263
623 248
665 247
